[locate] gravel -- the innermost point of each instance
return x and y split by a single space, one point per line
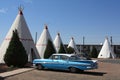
113 61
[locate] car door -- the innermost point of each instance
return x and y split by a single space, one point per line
63 62
55 62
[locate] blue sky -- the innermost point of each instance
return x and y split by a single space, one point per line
93 19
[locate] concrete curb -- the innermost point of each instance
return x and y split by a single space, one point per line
15 72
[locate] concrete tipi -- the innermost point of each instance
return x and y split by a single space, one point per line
106 51
58 43
25 37
72 44
43 41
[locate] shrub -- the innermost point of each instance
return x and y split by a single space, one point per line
49 49
62 49
15 54
70 50
94 53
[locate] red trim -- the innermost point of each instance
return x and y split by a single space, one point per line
41 44
22 39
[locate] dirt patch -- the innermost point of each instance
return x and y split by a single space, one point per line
4 68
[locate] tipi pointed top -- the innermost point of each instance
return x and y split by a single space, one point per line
46 27
106 38
20 10
58 43
43 41
106 50
58 34
73 45
72 38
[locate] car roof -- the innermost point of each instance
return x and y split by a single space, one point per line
69 55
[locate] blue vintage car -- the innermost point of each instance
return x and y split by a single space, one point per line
71 62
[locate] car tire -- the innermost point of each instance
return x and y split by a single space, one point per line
73 69
81 71
39 67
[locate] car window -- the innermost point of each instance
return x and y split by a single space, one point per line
73 58
56 57
77 58
64 57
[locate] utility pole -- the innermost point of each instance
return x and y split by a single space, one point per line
80 47
111 41
35 38
83 42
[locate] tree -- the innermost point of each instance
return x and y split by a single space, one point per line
62 49
49 49
94 53
15 54
70 50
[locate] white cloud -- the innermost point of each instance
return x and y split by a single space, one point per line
3 10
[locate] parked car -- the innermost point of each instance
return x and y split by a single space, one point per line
71 62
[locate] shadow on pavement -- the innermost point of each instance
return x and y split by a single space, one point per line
94 73
84 73
1 78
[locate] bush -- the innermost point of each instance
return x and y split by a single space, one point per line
94 53
15 54
62 49
49 49
70 50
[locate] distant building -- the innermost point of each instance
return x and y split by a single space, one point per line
86 48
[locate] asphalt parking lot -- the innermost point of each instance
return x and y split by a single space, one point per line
106 71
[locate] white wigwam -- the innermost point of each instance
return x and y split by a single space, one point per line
106 51
58 42
72 44
43 41
24 35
